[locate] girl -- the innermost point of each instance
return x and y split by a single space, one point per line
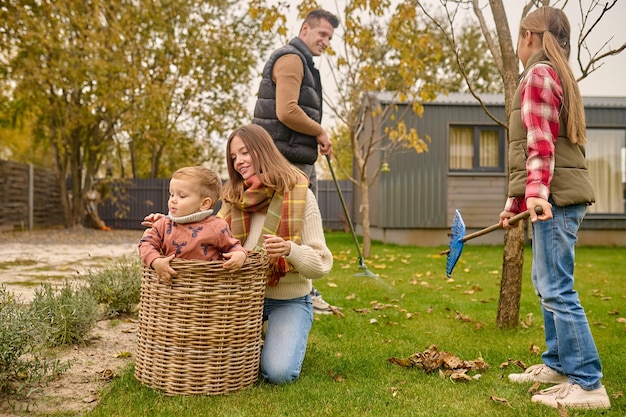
547 168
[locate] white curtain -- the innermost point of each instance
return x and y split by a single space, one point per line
605 153
461 147
489 148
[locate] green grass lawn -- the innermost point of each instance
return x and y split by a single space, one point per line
411 306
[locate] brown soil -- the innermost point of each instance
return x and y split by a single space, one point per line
29 258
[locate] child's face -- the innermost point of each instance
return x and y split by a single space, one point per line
241 158
184 198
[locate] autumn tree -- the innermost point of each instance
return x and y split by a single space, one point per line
502 50
118 81
384 53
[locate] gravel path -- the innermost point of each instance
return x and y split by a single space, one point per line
30 258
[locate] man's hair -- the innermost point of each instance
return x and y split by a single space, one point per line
208 182
314 17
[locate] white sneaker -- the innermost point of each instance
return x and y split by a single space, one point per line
573 396
319 305
539 373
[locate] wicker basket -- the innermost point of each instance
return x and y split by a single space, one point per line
202 333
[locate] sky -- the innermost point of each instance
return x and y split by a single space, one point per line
608 80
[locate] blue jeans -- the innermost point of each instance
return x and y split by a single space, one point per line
288 326
570 347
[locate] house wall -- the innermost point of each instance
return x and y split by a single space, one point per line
415 202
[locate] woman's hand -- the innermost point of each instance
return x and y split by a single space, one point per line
276 246
149 220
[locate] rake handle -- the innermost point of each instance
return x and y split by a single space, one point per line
521 216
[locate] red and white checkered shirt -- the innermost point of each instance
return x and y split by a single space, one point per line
541 97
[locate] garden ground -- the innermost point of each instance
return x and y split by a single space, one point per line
28 259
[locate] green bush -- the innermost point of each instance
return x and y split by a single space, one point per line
117 287
19 364
67 315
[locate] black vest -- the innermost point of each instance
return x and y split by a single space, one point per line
296 147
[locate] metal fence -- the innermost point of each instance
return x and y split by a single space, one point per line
128 202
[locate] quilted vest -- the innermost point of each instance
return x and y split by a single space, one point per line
571 183
298 148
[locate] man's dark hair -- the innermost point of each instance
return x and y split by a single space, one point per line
314 17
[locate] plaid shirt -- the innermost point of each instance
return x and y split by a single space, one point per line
541 96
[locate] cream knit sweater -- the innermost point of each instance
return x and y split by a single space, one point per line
311 260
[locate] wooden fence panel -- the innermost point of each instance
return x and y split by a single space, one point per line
17 211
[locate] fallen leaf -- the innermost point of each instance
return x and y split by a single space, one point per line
498 399
403 362
534 349
335 377
122 355
562 411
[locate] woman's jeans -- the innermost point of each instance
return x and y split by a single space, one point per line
571 349
288 325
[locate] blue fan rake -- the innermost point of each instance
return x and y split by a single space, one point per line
458 236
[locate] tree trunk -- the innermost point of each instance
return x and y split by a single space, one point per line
511 283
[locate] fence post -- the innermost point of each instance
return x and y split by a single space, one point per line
31 196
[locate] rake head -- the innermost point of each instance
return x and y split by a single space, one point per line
456 243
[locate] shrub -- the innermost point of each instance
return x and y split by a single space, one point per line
117 286
67 314
19 364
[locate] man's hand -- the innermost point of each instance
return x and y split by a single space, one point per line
326 148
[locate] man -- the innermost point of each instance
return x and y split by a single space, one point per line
289 104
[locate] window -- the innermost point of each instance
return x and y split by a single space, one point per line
476 149
606 160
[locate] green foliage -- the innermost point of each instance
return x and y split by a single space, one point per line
141 87
410 306
20 366
117 286
67 314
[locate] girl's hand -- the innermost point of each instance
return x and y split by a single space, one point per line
533 202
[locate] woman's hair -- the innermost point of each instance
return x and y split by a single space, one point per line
271 167
554 28
207 182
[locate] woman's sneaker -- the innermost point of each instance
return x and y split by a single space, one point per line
319 305
573 396
539 373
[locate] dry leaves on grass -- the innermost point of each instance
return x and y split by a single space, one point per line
448 365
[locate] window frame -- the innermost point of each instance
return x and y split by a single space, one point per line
476 168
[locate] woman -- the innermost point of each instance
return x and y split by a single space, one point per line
547 168
268 204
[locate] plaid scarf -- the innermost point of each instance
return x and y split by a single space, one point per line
284 217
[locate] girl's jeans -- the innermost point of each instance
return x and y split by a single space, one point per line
288 325
571 349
